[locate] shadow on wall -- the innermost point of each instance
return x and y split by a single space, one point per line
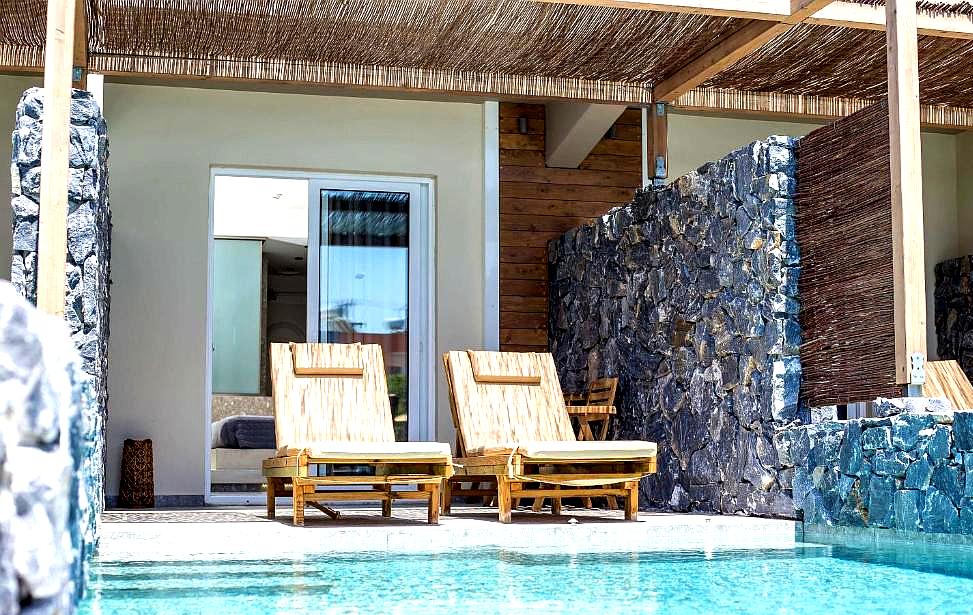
688 295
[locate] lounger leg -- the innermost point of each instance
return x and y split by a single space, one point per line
434 503
632 501
387 503
538 504
271 497
503 498
297 490
556 503
447 497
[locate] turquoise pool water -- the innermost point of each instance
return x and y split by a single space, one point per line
807 579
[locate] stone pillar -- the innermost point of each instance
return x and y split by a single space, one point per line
954 311
87 261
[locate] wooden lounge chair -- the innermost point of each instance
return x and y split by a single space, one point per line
513 429
331 408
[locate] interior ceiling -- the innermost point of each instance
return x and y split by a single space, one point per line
503 46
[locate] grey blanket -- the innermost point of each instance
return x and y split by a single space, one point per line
244 432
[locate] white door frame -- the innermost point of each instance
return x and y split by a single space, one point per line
422 308
421 315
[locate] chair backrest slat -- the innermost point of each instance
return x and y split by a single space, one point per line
601 392
496 414
330 392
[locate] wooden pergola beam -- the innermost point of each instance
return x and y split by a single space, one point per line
732 49
55 140
868 17
839 13
908 256
79 62
717 58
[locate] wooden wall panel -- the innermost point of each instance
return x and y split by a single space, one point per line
538 204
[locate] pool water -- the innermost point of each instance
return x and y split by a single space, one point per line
807 579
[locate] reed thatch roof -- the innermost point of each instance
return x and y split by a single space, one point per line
507 48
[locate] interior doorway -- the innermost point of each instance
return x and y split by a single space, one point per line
298 257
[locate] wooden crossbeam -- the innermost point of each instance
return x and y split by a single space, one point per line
732 49
840 13
53 228
717 58
906 167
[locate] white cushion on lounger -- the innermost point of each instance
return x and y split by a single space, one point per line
609 449
395 451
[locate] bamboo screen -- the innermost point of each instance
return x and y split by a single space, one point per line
844 228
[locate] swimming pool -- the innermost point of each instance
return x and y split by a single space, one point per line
806 579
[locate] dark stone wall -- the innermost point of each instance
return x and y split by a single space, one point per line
954 311
88 255
911 471
688 295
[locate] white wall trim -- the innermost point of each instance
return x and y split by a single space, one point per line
491 225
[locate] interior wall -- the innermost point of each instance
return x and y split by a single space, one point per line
164 141
964 191
947 171
11 88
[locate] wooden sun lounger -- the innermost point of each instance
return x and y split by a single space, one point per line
513 430
331 408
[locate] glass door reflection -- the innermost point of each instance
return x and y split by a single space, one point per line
364 281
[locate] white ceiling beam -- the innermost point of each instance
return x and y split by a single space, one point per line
839 13
573 130
866 17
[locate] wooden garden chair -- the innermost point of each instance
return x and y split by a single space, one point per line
513 429
331 407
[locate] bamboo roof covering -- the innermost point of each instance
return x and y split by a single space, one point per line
506 48
841 62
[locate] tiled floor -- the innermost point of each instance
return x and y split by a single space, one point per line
246 533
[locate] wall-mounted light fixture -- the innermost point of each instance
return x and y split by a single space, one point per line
522 125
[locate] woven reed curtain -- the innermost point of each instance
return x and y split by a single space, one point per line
844 230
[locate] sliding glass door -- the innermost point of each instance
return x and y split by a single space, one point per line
365 280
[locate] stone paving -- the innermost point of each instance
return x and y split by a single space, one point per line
245 532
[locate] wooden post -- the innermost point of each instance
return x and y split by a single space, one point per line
657 135
906 167
53 227
79 62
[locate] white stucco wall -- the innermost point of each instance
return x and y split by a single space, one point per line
11 87
694 140
163 143
964 190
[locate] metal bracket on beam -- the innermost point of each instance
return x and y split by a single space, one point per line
917 374
77 73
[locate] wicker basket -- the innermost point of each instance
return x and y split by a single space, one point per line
137 487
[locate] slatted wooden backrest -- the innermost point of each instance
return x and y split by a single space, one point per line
946 379
342 396
495 414
601 392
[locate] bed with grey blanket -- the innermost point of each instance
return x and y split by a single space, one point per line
244 432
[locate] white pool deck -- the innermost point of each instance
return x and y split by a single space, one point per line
245 533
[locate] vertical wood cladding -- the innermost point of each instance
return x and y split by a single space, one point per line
538 203
844 229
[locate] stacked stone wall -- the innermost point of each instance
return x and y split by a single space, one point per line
910 472
89 224
688 295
